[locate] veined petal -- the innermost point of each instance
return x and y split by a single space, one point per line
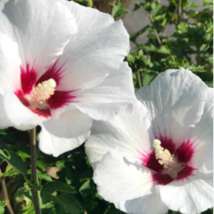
9 64
101 43
41 28
189 196
127 185
175 100
109 97
203 135
20 116
67 132
129 132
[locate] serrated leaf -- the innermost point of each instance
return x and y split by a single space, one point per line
119 10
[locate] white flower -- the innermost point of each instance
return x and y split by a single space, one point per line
158 155
61 65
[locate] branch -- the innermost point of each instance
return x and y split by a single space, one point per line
111 9
139 78
155 32
34 170
180 11
6 197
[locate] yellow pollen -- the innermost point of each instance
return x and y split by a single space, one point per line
163 156
43 91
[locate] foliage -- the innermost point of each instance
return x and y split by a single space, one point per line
69 188
190 46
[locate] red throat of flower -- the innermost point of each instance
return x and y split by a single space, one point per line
169 163
41 95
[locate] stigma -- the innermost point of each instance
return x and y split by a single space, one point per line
42 92
165 158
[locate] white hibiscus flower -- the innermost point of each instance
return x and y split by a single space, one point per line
158 155
61 66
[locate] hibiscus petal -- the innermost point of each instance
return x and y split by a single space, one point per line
65 133
9 64
4 120
99 46
41 28
21 117
189 197
110 97
127 185
129 132
203 133
175 100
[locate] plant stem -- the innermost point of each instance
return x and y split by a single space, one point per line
6 197
139 78
179 11
198 56
34 170
111 9
155 32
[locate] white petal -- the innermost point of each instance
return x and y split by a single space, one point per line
176 101
20 116
99 46
42 29
110 97
189 197
203 133
65 133
127 185
128 132
4 120
9 64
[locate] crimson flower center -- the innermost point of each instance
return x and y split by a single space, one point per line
169 161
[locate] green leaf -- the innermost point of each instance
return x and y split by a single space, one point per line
210 30
14 160
164 50
70 205
191 4
41 175
57 186
119 10
60 164
148 77
10 173
86 185
41 164
2 209
207 2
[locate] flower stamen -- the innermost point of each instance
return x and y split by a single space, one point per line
41 93
44 90
165 158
